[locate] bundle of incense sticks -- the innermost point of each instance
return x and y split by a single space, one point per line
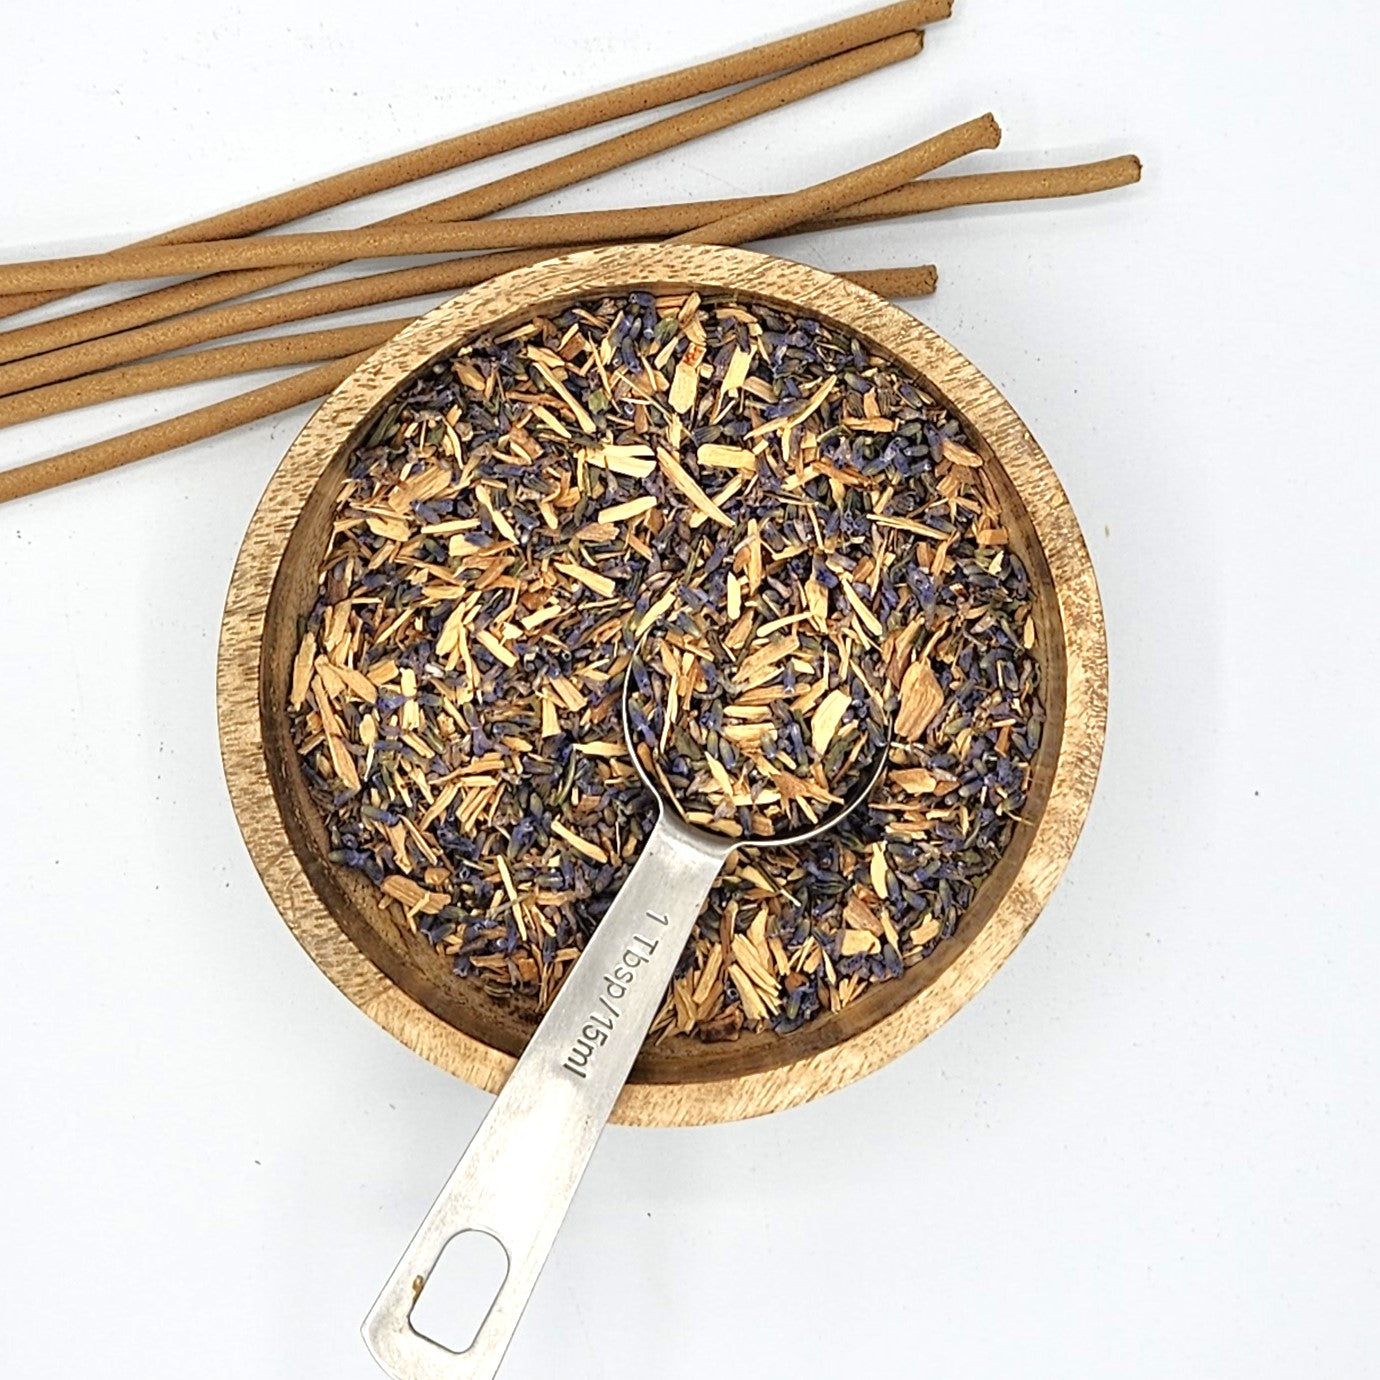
90 356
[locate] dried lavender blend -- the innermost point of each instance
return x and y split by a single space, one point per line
797 542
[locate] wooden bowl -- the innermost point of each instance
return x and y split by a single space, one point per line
394 977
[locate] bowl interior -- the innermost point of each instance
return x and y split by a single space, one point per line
410 963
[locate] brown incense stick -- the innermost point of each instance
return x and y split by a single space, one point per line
257 314
267 251
179 332
494 196
536 232
668 133
749 65
176 431
978 189
825 198
35 477
919 281
646 223
169 371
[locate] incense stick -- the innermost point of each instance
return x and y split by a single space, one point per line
260 313
176 431
825 198
539 232
38 475
979 189
169 371
748 65
498 195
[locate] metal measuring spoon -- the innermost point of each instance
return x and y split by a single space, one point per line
518 1174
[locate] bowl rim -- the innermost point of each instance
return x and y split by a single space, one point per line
668 268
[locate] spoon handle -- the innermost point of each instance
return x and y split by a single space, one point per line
519 1173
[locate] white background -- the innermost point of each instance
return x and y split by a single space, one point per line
1149 1147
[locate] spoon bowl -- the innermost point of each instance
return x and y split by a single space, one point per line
861 790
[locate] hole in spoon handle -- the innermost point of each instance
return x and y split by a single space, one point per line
461 1290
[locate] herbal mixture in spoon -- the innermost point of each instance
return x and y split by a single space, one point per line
800 545
763 729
